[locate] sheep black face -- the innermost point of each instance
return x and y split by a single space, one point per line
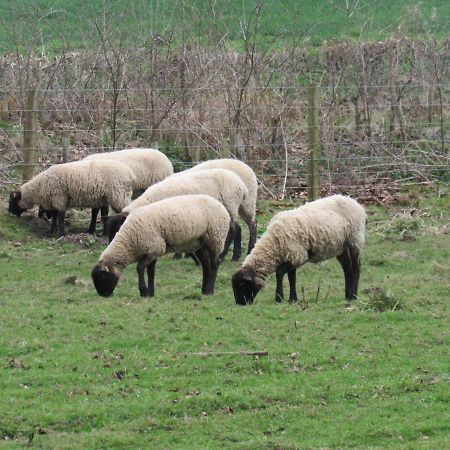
14 207
105 280
245 287
114 224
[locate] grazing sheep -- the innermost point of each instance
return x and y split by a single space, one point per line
247 210
326 228
86 183
148 165
223 185
188 223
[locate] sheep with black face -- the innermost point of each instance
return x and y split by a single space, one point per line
320 230
220 184
188 223
86 184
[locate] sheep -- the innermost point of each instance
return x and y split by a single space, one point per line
148 165
223 185
247 210
326 228
85 183
192 223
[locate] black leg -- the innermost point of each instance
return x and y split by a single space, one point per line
60 222
53 225
356 266
151 278
279 296
177 255
237 246
214 266
91 229
351 273
203 257
140 268
252 238
194 258
281 271
228 241
292 277
104 211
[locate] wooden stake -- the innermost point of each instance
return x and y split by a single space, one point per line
29 136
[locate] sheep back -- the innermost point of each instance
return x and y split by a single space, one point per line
245 173
183 223
88 184
220 184
149 166
315 232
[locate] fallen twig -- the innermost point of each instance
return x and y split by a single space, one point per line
243 352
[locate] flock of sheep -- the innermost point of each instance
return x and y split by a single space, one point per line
194 212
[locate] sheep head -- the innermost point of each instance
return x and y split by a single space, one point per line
245 286
14 203
105 279
114 224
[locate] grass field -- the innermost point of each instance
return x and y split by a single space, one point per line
72 21
80 371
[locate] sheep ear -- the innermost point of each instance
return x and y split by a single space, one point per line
247 276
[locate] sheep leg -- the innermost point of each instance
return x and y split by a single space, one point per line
143 264
177 255
194 258
347 265
252 238
356 266
94 214
292 277
53 225
214 265
104 211
237 245
228 241
280 273
60 222
151 278
203 257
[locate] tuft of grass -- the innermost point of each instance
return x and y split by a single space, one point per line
379 300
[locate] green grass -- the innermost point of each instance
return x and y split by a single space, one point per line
80 371
57 23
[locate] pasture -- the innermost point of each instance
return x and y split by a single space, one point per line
81 371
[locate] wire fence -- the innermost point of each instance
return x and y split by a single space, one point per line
372 145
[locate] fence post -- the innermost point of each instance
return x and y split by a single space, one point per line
4 109
313 144
29 136
66 148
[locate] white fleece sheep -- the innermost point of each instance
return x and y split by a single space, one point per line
86 184
326 228
223 185
148 165
247 210
187 223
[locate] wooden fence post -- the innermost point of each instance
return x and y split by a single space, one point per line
313 144
66 149
4 109
29 136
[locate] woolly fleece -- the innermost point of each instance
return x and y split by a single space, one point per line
315 232
183 223
220 184
148 165
86 183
